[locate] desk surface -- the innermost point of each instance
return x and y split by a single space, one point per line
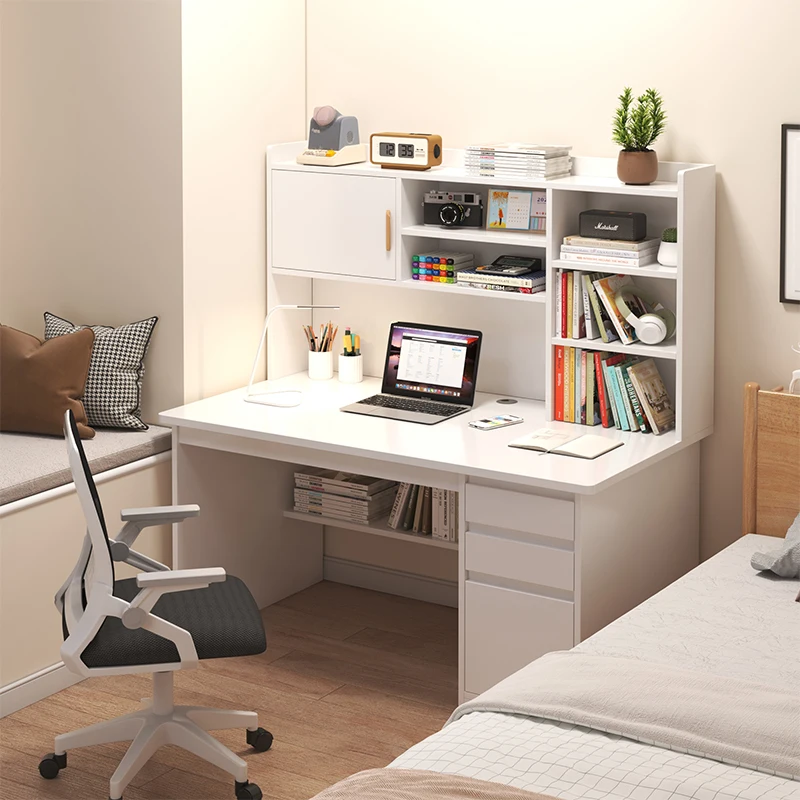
450 446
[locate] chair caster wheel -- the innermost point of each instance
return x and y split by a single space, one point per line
259 739
247 790
51 765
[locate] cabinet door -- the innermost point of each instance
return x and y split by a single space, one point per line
333 224
507 629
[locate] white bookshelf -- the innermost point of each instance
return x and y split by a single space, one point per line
338 252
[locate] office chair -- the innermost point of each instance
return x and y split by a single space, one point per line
160 621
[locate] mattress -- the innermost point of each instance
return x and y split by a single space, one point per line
722 618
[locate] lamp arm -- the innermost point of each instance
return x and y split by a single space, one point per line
261 344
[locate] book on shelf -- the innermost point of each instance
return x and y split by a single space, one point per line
399 505
566 443
653 395
493 287
342 483
427 511
628 255
558 395
416 526
607 289
649 257
602 398
610 244
541 150
598 388
569 297
590 323
365 508
408 518
530 280
578 319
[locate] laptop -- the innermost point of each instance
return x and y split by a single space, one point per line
429 375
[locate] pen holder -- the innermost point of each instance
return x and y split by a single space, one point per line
320 365
351 369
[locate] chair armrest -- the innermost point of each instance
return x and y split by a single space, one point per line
154 584
136 519
178 579
158 515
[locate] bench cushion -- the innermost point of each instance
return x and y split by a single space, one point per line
30 464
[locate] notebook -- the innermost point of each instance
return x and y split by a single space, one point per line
566 443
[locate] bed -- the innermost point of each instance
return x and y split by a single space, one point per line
725 642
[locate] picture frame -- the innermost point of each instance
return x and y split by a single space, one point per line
790 214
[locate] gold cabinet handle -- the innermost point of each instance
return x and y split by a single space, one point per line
388 231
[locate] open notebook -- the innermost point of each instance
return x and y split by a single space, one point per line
565 443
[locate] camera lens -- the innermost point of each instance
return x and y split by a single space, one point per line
451 214
469 198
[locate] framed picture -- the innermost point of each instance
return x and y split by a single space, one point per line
790 213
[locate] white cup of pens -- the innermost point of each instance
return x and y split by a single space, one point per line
351 364
320 351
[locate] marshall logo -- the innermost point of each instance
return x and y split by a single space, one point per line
316 130
602 226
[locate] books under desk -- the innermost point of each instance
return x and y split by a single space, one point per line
374 505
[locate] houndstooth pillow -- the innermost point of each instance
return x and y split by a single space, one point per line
112 397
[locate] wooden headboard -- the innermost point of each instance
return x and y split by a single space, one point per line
771 475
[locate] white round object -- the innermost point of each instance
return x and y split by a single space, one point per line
651 329
668 254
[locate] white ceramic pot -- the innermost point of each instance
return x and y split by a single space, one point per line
668 254
351 369
320 365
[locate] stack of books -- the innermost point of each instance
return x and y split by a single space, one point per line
426 511
439 267
519 160
529 283
342 495
614 390
611 252
586 307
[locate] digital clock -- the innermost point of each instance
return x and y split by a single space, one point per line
406 150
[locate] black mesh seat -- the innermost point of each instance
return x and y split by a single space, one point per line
223 619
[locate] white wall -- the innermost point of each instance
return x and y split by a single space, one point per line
90 208
725 70
243 88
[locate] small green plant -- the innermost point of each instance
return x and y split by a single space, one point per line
638 124
669 235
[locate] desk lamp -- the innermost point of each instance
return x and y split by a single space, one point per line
291 397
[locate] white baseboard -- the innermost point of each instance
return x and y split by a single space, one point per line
380 579
35 687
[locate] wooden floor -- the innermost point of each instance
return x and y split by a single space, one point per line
351 679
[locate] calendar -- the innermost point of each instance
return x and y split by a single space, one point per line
512 210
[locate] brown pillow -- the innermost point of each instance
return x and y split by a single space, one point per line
40 380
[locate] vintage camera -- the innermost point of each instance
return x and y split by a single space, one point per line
453 209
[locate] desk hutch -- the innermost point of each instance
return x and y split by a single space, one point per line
550 548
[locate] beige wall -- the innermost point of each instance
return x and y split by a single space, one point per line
726 71
90 208
243 88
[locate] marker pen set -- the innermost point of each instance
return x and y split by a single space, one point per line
352 343
440 266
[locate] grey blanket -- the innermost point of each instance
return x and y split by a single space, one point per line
785 561
724 719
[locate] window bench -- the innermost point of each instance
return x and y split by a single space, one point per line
41 531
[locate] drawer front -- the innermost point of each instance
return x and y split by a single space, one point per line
507 629
500 508
521 561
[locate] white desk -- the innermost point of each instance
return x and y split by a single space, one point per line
551 548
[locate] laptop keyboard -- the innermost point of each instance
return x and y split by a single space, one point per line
411 404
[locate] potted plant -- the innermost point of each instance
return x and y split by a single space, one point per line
637 124
668 249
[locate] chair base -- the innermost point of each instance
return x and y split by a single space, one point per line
159 723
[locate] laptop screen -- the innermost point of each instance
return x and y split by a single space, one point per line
432 362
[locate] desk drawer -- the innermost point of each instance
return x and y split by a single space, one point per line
507 629
521 561
516 511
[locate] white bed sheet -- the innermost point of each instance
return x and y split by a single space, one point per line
721 618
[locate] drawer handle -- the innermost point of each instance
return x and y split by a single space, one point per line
388 231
